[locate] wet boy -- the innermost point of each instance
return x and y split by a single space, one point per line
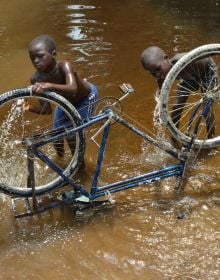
199 76
60 77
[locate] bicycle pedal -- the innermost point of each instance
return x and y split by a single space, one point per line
21 207
126 88
69 196
83 199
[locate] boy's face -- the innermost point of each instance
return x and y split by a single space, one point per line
41 57
159 68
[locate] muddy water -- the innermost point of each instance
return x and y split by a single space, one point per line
151 233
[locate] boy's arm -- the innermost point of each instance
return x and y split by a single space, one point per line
44 107
70 89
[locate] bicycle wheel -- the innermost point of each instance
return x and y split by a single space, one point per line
16 125
188 86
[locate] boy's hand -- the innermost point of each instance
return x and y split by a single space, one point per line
25 106
39 88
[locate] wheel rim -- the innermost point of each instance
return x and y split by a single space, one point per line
15 127
178 128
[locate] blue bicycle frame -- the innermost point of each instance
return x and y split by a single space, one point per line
99 191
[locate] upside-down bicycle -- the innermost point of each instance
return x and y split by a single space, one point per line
29 166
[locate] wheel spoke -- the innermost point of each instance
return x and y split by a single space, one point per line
198 76
17 125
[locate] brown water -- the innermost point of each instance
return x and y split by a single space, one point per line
142 237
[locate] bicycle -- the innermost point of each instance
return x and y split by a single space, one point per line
38 171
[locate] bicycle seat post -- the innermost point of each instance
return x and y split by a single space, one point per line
126 89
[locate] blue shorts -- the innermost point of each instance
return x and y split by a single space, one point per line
85 108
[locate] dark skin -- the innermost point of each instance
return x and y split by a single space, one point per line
158 64
54 76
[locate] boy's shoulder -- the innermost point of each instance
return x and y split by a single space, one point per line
176 57
65 67
62 63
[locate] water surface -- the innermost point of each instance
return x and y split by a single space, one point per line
144 236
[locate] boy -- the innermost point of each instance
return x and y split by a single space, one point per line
198 76
61 78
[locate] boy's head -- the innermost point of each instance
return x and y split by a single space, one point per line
42 51
156 62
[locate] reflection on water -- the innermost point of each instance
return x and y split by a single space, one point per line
87 35
151 233
80 7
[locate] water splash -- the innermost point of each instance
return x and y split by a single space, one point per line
12 121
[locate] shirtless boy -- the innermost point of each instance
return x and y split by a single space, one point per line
60 77
198 76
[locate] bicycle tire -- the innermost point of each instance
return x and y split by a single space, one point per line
15 124
168 93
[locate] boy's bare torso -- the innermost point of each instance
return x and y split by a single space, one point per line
58 76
